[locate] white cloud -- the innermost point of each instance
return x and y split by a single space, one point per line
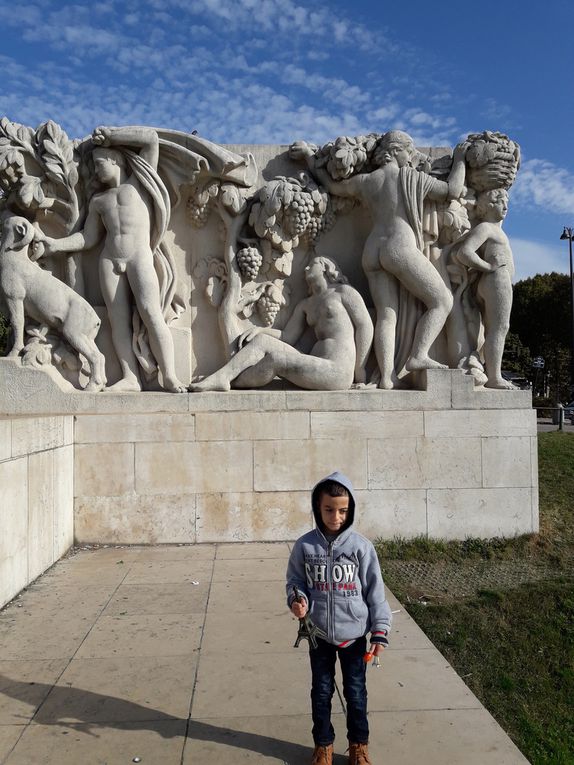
544 185
532 257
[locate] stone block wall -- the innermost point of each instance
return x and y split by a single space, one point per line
448 462
36 497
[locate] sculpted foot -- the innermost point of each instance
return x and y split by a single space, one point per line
93 386
423 362
213 382
126 384
173 385
500 383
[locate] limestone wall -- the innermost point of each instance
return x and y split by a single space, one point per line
36 497
448 461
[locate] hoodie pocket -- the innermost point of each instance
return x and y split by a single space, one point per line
318 613
351 617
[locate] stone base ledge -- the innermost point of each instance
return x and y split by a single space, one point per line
29 391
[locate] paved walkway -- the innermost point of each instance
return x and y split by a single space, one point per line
184 654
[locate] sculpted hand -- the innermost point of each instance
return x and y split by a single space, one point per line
499 259
248 336
43 246
101 136
301 150
299 609
460 150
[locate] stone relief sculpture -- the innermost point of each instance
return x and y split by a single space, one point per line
28 289
222 267
343 336
481 271
132 230
394 193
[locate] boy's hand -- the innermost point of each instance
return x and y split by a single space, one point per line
299 609
376 649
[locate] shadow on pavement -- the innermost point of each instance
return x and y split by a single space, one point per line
87 712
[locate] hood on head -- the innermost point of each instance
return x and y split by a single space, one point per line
344 481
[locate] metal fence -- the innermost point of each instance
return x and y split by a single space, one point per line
555 415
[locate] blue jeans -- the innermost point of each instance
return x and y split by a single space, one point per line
353 668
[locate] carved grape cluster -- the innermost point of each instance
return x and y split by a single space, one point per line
299 213
249 260
198 214
200 203
286 209
347 156
269 305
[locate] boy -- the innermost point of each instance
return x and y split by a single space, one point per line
337 574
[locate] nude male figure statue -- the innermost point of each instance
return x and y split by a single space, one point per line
122 216
485 250
392 254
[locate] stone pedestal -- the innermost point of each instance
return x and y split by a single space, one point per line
447 462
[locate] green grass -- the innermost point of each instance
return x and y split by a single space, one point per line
514 647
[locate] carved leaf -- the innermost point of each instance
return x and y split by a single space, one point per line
54 170
284 263
31 190
215 291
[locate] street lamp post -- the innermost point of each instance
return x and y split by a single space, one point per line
568 234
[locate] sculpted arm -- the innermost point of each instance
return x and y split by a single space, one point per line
351 187
296 324
454 187
144 140
82 240
290 334
364 330
468 255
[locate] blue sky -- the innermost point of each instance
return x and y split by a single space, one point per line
274 71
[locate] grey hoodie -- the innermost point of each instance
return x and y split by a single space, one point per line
341 580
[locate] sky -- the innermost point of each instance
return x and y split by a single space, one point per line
275 71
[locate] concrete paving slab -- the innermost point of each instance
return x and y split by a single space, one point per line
36 637
416 680
169 571
9 736
111 575
254 631
121 690
261 740
162 598
238 550
143 635
250 570
145 646
86 600
448 737
178 552
23 687
233 597
261 684
91 744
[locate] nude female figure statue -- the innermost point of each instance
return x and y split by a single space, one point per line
393 193
343 330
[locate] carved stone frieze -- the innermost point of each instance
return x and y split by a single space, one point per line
145 259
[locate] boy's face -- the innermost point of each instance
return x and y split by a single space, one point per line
334 512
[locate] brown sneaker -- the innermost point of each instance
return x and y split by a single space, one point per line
359 754
323 755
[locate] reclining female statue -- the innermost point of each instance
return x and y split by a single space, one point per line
343 330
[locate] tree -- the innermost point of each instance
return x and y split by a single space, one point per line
541 320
